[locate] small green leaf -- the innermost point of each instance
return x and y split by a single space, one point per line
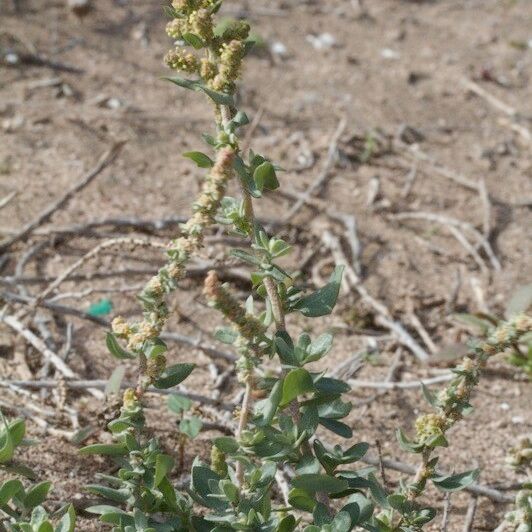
429 396
179 404
155 348
341 522
268 407
226 335
406 444
456 482
301 500
321 302
17 429
191 426
82 434
321 346
108 449
220 98
68 521
9 489
37 494
7 447
297 382
115 349
115 380
174 375
163 465
265 176
227 444
313 483
337 427
288 524
202 160
112 494
194 40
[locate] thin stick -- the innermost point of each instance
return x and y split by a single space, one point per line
492 100
381 465
101 385
420 328
448 221
486 206
404 385
93 253
384 316
105 160
5 200
324 174
48 354
468 247
446 512
470 515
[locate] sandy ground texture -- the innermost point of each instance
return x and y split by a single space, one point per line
425 109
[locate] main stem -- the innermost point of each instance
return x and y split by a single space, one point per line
293 407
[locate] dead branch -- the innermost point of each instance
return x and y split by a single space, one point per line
101 385
40 346
322 178
470 515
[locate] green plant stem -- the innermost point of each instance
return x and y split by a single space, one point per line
293 407
247 404
421 475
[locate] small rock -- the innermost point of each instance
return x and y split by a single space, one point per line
279 49
12 124
410 135
416 77
80 8
388 53
323 41
504 406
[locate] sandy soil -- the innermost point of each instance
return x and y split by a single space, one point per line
399 65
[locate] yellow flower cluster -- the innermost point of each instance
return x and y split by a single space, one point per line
521 454
230 64
221 68
429 425
179 59
155 311
218 461
454 398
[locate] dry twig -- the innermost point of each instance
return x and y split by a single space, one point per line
320 181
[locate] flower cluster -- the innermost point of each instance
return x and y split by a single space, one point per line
225 47
248 326
521 454
452 403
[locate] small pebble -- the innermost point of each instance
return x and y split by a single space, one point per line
323 41
388 53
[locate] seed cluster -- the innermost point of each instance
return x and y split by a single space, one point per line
249 327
